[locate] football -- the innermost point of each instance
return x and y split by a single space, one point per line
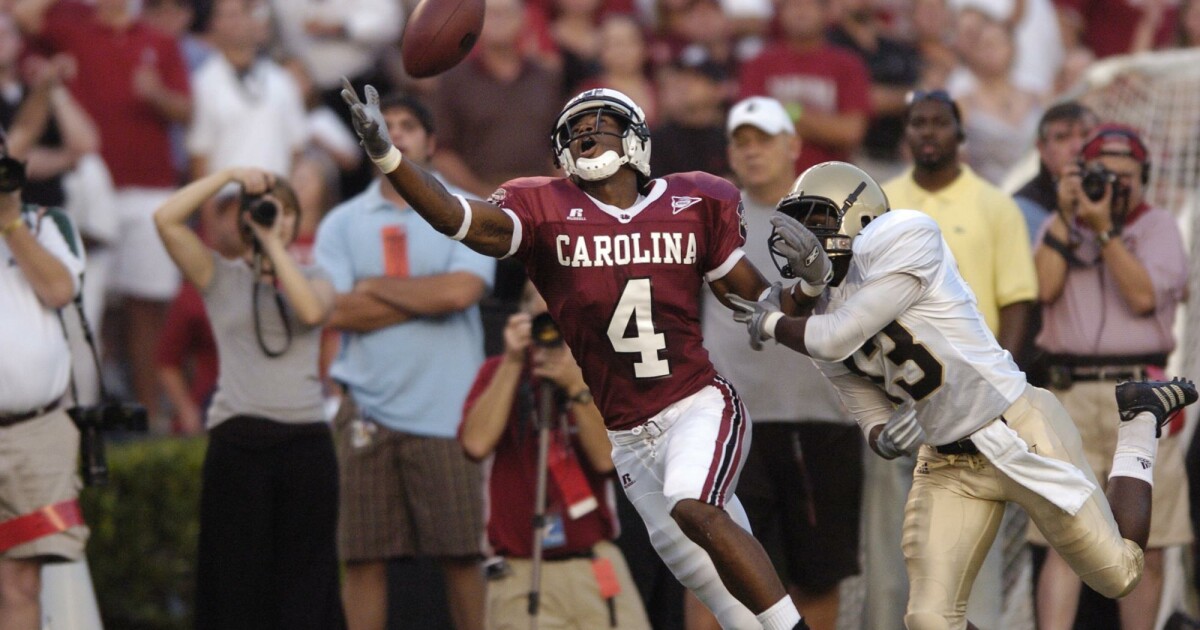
439 34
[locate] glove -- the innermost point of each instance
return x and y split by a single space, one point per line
367 120
901 435
806 258
756 314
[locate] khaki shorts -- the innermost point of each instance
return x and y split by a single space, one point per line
1093 408
404 495
569 595
38 461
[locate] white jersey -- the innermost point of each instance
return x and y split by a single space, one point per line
938 356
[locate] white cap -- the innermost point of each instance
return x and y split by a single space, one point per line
762 112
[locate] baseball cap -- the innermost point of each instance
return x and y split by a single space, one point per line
762 112
1114 139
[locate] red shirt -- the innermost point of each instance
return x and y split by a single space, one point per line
512 481
1108 25
134 138
627 294
825 79
187 335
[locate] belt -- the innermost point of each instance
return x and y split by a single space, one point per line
1109 373
962 447
8 420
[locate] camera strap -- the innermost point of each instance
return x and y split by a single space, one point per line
287 326
89 338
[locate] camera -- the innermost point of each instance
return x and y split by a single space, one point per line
12 174
545 332
1096 179
262 211
92 421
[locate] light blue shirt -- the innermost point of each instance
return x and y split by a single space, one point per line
413 376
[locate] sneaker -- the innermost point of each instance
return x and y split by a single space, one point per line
1161 398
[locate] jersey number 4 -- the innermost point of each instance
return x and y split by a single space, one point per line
635 305
904 349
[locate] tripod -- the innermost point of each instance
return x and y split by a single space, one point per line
546 416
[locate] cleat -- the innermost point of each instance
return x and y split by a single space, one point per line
1161 398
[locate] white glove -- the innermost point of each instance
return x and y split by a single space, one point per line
757 315
806 258
901 435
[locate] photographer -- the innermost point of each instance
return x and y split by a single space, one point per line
1111 271
39 483
268 507
585 582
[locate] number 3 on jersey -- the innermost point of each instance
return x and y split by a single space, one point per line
635 304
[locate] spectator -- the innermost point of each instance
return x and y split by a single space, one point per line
1037 45
406 294
500 421
39 445
187 352
574 30
268 504
1110 27
826 89
895 68
933 36
132 80
339 39
623 59
700 24
999 118
692 135
986 234
248 109
481 145
802 483
1111 272
1061 133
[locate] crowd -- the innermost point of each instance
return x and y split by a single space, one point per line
391 392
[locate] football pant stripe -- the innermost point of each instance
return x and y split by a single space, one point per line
728 450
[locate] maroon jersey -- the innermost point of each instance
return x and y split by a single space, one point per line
624 284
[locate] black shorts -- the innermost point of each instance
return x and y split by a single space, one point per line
802 489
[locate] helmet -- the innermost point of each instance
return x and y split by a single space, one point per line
835 200
635 137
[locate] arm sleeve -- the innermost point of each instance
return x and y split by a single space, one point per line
333 253
867 404
202 132
836 335
512 202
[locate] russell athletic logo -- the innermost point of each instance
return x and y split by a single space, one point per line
576 214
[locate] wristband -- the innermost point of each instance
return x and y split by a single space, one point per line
466 224
769 323
11 227
1062 248
582 397
389 161
811 290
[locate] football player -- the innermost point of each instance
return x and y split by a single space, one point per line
620 259
898 333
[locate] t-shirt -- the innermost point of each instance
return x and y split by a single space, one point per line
284 388
512 479
938 356
624 284
188 335
826 79
134 140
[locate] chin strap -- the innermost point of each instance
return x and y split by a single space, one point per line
601 167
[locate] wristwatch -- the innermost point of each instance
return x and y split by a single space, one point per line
1104 237
583 397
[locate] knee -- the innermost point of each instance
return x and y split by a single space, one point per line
21 586
925 621
696 518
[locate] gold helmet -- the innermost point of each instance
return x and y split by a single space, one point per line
835 200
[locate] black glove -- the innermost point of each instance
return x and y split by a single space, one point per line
367 120
754 314
806 258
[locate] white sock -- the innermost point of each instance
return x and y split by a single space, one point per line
781 616
1136 448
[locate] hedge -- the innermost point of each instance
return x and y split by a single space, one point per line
144 525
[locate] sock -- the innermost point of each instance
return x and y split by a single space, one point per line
781 616
1137 447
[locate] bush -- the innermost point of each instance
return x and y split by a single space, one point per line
145 522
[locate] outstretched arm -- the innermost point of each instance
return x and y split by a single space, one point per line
483 226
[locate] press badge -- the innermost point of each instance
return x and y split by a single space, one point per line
361 433
555 534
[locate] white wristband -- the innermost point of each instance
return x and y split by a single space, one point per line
811 290
466 224
770 322
389 162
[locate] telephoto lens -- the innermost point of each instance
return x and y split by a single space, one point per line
12 174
